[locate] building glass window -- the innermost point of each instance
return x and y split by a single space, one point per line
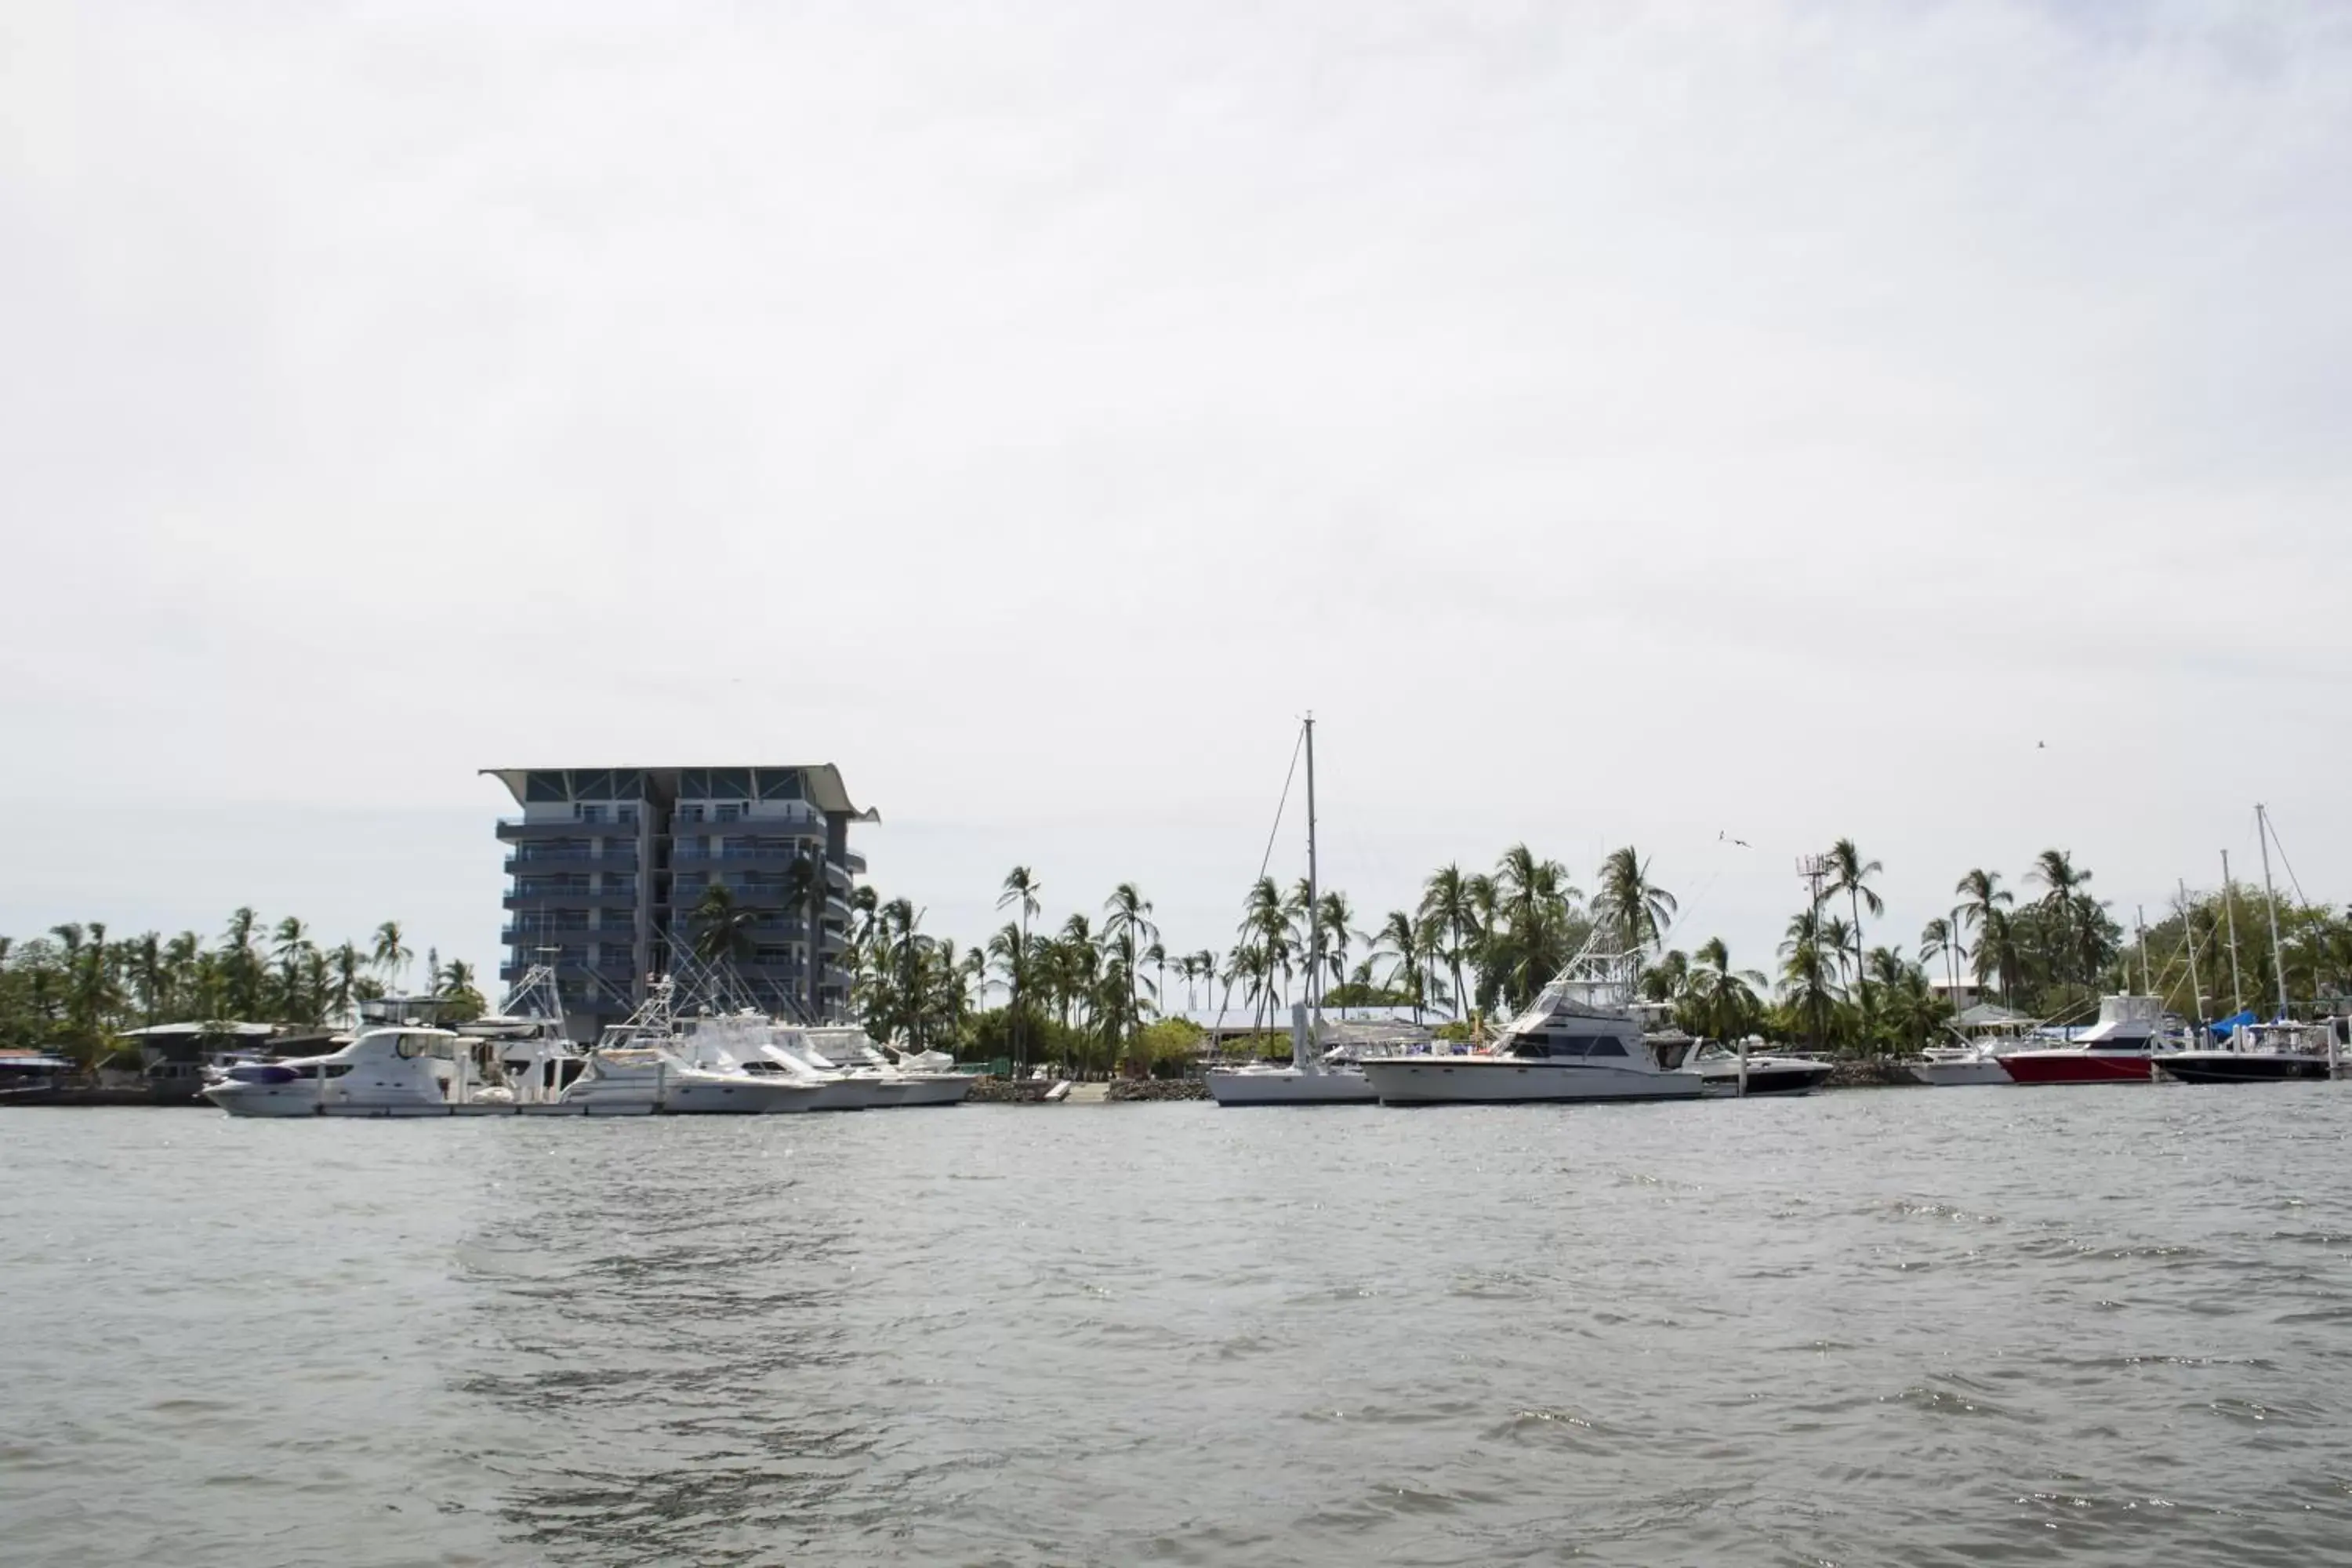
780 783
538 788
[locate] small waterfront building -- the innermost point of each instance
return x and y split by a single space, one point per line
606 867
1961 993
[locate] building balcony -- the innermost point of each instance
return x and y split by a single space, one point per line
519 830
579 860
536 936
777 855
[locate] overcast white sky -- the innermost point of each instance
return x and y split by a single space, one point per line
1617 423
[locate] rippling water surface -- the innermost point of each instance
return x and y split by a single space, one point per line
2109 1324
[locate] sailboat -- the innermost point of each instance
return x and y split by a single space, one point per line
2282 1051
1312 1078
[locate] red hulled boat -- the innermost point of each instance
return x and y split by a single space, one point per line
2118 1048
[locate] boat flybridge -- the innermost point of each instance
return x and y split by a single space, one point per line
1578 1040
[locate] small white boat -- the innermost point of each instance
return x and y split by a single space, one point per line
1950 1067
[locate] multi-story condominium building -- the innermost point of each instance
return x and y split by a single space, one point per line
608 866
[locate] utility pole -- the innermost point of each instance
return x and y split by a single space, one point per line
1815 870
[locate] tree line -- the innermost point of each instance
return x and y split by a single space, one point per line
76 986
1083 993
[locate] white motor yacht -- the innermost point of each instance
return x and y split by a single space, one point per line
391 1070
1579 1040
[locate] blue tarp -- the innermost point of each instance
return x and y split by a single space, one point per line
2222 1027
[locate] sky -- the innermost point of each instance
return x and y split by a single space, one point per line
1616 423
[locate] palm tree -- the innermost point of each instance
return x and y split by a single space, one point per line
1997 955
1337 918
1939 939
722 928
1850 874
1400 941
391 954
346 966
1020 887
286 945
1639 909
1445 900
147 966
1127 923
1982 898
1668 979
1265 924
1723 1000
2053 870
1805 973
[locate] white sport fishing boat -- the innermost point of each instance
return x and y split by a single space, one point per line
650 1065
916 1079
1950 1067
1579 1041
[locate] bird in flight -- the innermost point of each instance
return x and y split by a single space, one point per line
1723 836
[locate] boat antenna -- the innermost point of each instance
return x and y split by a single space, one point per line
2230 916
2263 840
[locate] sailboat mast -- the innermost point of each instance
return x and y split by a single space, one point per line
2270 898
1314 891
2189 940
2230 915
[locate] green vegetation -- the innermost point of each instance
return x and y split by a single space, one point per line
1086 996
73 988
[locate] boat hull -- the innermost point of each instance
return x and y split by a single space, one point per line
1497 1080
1290 1085
2241 1067
936 1088
1959 1074
2075 1067
1787 1079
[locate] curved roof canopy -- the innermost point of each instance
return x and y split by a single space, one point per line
819 784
